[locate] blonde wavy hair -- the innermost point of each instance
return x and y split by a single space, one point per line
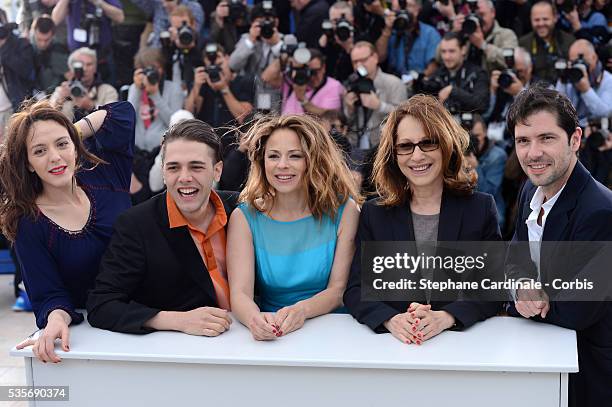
438 124
327 180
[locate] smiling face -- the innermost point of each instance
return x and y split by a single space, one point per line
285 161
51 154
543 20
189 171
421 169
543 150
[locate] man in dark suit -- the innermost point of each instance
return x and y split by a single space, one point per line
561 202
165 266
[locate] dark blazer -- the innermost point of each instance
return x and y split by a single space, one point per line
462 218
583 212
148 268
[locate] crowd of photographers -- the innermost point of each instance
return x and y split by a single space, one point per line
348 62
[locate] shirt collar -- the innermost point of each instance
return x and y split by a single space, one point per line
176 218
537 203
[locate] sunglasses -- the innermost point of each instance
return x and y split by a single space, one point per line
424 145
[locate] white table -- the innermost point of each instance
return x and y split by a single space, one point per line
331 361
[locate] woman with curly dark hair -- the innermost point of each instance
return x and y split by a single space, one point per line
63 185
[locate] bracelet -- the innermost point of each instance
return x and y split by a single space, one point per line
90 125
79 131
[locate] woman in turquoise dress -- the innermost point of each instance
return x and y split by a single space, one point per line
290 242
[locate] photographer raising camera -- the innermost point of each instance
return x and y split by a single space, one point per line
153 98
307 88
84 90
220 97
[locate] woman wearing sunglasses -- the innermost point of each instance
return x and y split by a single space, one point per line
426 195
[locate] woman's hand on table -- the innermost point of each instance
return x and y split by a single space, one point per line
400 326
289 319
427 323
44 344
263 326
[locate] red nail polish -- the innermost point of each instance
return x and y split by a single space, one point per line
418 342
416 321
412 314
407 342
413 328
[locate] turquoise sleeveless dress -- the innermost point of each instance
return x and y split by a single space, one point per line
293 260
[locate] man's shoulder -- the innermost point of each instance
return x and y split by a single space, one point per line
388 80
525 40
144 212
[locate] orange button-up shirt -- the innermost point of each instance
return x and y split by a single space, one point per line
210 244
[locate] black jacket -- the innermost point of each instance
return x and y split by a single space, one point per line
470 88
17 60
583 212
462 218
148 268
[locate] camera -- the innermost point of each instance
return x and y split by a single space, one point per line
185 34
571 74
214 72
210 51
237 10
344 29
6 29
358 82
77 89
164 39
301 75
290 44
92 24
328 28
428 86
267 25
473 20
505 78
403 19
151 74
467 121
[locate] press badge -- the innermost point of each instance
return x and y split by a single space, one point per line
79 35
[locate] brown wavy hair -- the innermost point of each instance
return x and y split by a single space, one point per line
20 187
328 180
438 124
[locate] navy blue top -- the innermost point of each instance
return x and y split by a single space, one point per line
59 267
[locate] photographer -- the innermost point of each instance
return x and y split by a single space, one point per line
489 162
587 85
50 57
256 51
460 85
504 86
307 88
154 99
487 38
546 44
578 18
161 10
181 47
371 95
84 91
339 35
407 44
89 25
220 97
228 22
17 70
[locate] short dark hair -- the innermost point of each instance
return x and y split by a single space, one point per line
44 24
317 54
451 35
477 118
259 11
194 130
537 99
